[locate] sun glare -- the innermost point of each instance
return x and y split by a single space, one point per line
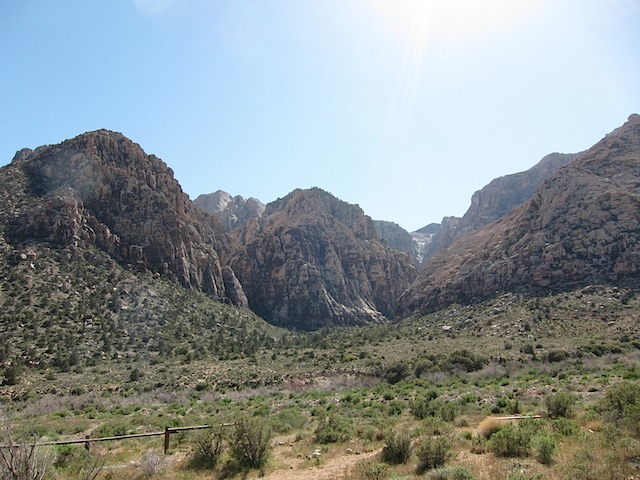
449 20
420 27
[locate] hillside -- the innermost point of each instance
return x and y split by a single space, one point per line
580 226
314 261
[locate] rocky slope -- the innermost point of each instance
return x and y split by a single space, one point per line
232 211
100 189
394 236
582 224
495 200
313 261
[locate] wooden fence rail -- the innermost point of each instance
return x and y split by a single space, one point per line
88 440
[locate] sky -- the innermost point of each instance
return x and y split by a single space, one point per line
404 107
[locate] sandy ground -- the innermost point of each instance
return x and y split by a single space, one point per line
331 466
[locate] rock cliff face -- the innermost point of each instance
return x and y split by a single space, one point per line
495 200
102 189
394 236
313 261
232 212
582 224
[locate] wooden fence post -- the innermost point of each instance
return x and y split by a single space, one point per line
166 440
87 443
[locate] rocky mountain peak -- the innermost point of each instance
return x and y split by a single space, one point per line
303 204
102 189
232 211
581 225
316 261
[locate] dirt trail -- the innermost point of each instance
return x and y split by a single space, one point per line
329 469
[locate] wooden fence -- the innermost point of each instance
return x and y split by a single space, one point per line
166 433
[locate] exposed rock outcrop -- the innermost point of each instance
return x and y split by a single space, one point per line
582 224
394 236
102 189
495 200
313 261
232 212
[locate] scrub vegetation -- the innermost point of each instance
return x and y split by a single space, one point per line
442 396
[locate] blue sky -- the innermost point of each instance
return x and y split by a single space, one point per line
405 107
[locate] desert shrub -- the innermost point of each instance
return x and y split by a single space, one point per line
433 453
478 445
395 407
450 473
22 459
334 428
151 464
12 375
113 428
68 455
463 360
396 372
560 405
369 470
207 449
251 443
288 420
544 446
449 411
422 408
489 426
397 449
565 427
621 405
510 441
25 462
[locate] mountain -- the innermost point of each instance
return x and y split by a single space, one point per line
581 225
313 261
231 211
494 201
101 189
394 236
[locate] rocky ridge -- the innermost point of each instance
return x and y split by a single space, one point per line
394 236
101 189
581 225
495 200
313 261
232 211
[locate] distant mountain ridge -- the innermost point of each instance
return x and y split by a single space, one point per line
232 211
488 204
309 260
581 225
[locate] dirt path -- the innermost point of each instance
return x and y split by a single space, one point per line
329 469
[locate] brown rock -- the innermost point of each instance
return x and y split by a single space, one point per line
315 261
102 189
582 224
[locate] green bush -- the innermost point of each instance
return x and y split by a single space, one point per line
207 449
334 428
397 449
560 405
251 443
565 427
433 453
422 408
369 470
621 405
510 441
396 372
113 428
544 446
